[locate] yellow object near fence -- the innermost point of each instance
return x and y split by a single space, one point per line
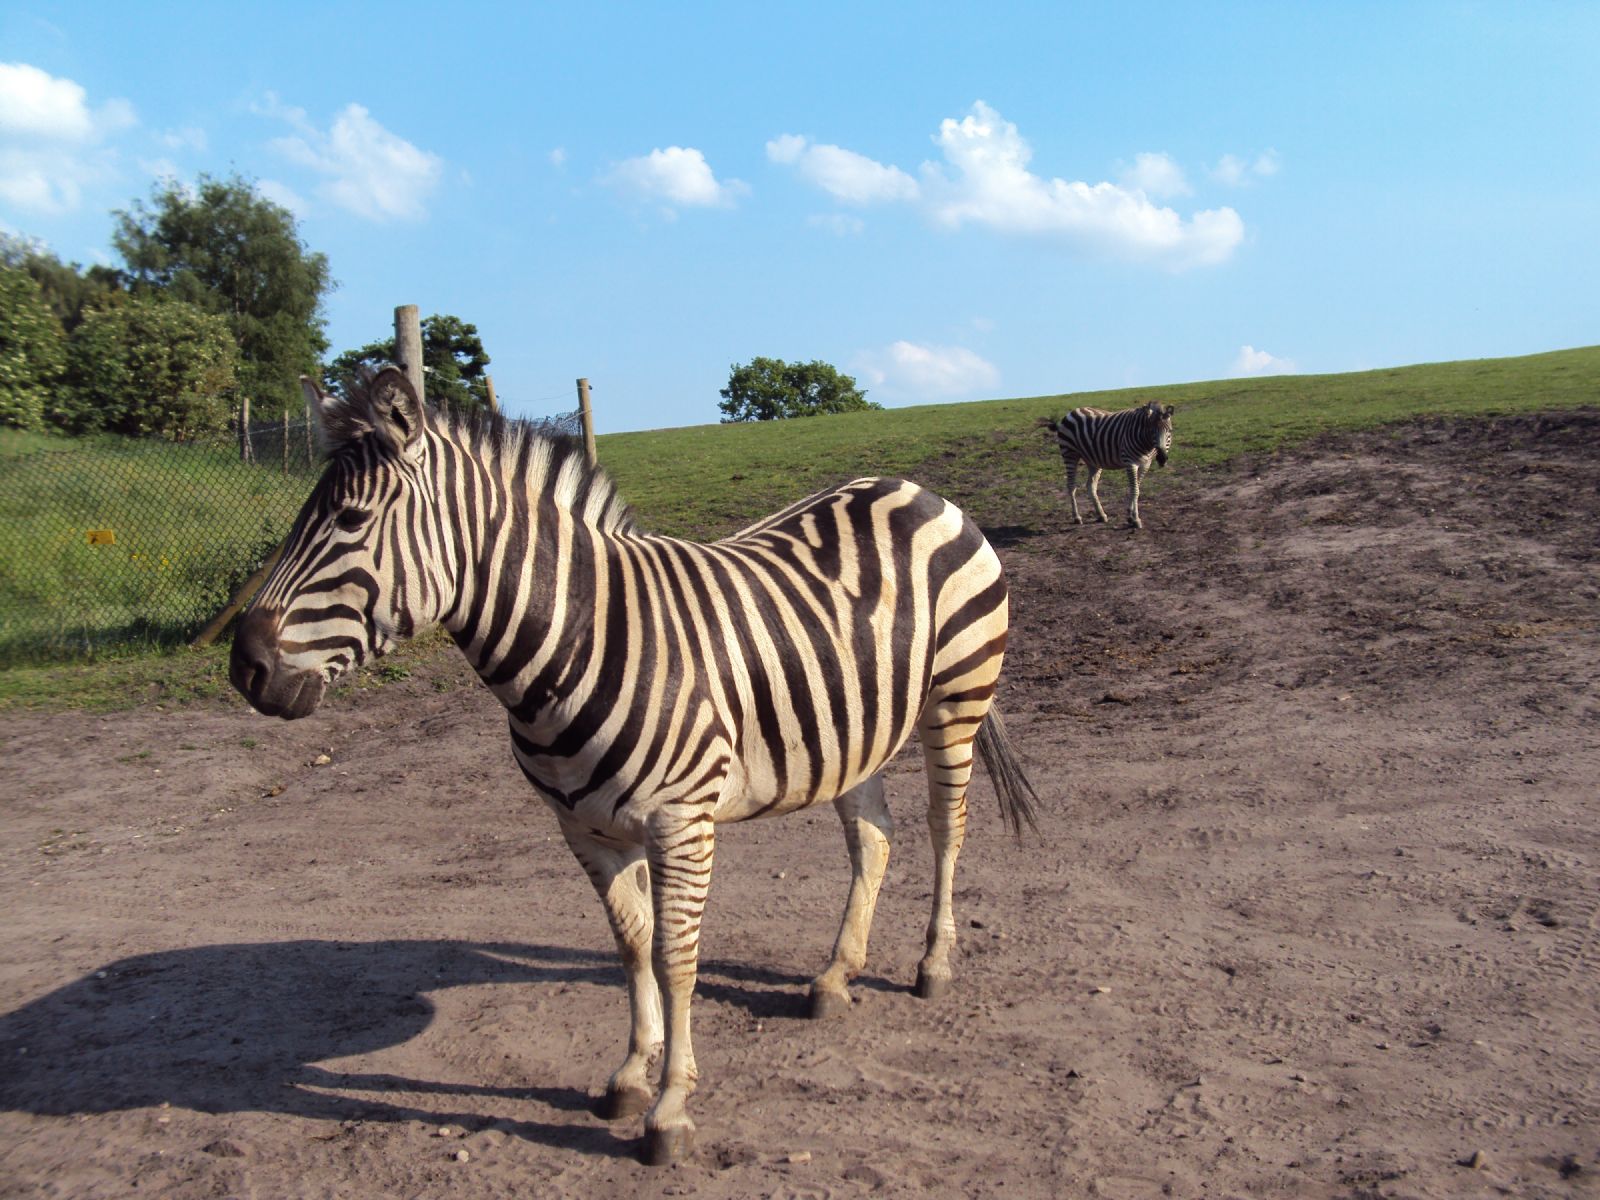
102 537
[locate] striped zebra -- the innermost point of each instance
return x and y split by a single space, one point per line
1111 441
656 687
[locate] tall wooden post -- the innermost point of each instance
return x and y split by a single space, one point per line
587 416
245 454
488 383
408 346
285 441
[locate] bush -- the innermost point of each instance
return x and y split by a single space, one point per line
33 351
151 366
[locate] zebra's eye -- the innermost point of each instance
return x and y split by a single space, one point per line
352 519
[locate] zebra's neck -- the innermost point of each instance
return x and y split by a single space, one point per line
531 525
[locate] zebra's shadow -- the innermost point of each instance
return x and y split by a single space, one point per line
243 1027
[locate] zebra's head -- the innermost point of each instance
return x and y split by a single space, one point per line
361 568
1159 418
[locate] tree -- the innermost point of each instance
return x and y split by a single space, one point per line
769 389
228 250
33 351
69 290
453 362
152 365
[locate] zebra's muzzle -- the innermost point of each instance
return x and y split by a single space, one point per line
1161 457
256 669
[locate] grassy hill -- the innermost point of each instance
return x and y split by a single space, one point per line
707 480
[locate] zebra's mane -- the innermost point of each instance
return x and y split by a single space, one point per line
551 466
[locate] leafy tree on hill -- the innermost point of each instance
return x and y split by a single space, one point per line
769 389
453 360
69 290
33 351
226 249
151 366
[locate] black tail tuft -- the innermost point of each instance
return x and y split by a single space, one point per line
1018 800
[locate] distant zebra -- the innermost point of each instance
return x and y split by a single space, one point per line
656 687
1109 441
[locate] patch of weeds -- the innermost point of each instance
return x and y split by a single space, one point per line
393 672
63 841
249 743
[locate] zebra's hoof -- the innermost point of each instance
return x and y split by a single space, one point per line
620 1103
663 1147
931 986
826 1004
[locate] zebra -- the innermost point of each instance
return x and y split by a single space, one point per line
656 687
1106 441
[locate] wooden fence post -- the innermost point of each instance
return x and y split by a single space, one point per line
586 414
408 346
488 383
286 439
245 453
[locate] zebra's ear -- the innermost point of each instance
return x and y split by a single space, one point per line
395 411
337 422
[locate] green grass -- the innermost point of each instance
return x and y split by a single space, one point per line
706 481
185 525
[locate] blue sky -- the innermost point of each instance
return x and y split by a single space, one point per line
951 202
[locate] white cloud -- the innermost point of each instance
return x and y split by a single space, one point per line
1156 175
1236 172
370 171
843 174
558 157
1251 361
54 139
284 196
984 180
992 186
678 175
190 137
927 372
36 104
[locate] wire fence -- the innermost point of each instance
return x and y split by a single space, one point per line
120 542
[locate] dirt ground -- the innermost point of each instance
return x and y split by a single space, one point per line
1314 911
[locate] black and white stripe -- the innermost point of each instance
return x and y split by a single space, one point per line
1112 441
657 687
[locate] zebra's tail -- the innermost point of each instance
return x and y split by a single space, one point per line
1046 423
1018 800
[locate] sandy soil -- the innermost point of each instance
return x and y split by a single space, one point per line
1314 912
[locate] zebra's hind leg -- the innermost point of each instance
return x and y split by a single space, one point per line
1094 494
867 830
1133 497
622 879
947 730
1072 490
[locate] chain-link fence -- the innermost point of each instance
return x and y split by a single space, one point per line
120 541
109 542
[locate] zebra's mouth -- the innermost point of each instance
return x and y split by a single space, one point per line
1161 457
260 676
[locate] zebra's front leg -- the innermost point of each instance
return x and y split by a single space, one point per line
680 852
622 879
1094 494
947 731
867 830
1133 497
